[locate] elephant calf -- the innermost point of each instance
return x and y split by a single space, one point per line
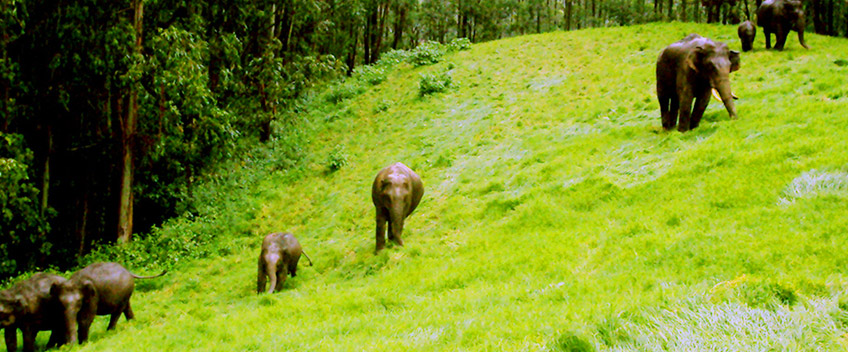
396 192
42 302
109 287
747 32
687 71
280 253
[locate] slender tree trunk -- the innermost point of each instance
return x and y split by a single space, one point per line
697 11
125 210
83 225
683 10
5 85
400 22
670 10
567 18
45 175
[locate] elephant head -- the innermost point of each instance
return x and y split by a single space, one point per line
715 61
11 308
69 298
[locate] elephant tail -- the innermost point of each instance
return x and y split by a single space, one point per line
307 257
149 277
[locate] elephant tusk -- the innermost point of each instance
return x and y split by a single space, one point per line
718 97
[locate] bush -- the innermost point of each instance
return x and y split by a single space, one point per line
459 44
370 74
570 342
427 54
338 157
434 83
343 91
21 220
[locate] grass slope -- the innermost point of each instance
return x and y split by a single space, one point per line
556 215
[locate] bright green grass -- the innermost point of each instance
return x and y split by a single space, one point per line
557 213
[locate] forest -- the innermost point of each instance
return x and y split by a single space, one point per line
111 111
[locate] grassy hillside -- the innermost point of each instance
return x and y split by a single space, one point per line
556 215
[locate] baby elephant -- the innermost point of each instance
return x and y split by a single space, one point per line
747 32
280 252
110 286
396 192
44 302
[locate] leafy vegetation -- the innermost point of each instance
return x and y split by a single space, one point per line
557 214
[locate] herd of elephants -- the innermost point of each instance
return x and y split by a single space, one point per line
687 70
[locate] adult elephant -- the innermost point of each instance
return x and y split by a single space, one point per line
687 71
396 192
112 286
779 17
43 302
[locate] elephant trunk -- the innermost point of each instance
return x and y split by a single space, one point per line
801 38
71 327
271 269
723 88
397 214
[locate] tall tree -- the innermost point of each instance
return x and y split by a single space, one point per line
128 135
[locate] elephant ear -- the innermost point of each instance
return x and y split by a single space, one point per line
696 58
735 60
88 289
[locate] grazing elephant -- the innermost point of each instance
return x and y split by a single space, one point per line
42 302
747 32
779 17
687 71
280 253
396 192
109 287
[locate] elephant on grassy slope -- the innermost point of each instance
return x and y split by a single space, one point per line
779 17
687 71
280 254
396 192
747 32
111 286
44 302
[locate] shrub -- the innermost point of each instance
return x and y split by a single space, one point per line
459 44
434 83
343 91
427 54
338 157
370 74
571 342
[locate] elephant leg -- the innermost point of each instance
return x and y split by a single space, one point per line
668 121
11 334
55 339
685 112
29 338
780 40
261 278
700 106
381 230
113 319
128 313
84 324
768 39
293 267
673 111
281 279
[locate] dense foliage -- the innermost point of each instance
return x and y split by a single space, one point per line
113 110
